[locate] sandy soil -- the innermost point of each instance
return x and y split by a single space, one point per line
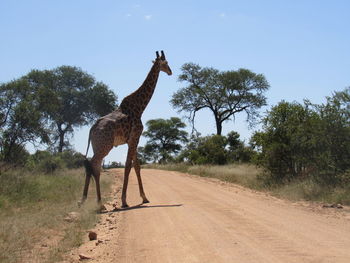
192 219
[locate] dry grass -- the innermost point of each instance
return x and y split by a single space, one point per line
310 190
243 174
32 212
250 176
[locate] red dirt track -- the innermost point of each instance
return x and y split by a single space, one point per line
192 219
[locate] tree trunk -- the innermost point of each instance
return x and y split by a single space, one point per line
218 127
61 141
8 152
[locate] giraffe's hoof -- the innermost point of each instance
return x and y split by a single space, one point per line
145 201
82 201
101 209
125 205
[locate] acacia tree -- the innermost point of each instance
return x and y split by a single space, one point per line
165 137
20 120
45 106
224 93
69 98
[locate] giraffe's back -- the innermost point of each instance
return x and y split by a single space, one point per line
110 130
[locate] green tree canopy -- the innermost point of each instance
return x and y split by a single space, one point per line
45 106
20 120
165 138
69 98
224 93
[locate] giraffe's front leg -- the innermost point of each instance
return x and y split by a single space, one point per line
126 178
138 174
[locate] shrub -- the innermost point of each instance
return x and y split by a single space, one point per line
48 162
72 159
301 141
17 156
216 149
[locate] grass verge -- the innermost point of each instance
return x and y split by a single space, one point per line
252 177
33 211
242 174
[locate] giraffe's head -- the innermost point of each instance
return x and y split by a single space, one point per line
163 63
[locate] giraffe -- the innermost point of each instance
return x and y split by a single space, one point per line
122 126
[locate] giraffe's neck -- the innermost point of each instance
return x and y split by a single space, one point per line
137 101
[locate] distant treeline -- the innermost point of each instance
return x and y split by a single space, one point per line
297 140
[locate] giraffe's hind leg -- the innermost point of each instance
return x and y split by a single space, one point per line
96 168
88 173
102 144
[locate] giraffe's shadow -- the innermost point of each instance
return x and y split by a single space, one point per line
142 206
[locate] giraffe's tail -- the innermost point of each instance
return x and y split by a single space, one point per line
87 149
88 167
89 140
87 164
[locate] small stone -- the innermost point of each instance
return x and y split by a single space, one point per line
92 235
82 257
338 206
98 242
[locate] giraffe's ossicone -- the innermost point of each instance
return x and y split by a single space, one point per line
122 126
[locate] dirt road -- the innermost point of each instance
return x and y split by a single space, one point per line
192 219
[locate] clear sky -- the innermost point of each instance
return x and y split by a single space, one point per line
301 46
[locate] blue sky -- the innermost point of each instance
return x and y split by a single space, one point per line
301 46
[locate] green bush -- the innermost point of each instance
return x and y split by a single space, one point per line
47 162
72 159
306 141
216 149
16 156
